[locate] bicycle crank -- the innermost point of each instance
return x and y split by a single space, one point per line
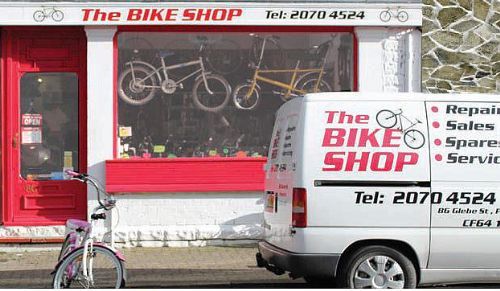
169 86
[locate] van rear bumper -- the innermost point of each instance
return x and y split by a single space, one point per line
274 258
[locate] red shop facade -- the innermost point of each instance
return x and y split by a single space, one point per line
172 106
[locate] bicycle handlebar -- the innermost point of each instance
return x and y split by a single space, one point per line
108 204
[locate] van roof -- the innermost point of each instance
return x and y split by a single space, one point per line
386 96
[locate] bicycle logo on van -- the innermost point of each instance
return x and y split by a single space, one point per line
48 12
413 138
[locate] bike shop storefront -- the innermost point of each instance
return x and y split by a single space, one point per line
172 106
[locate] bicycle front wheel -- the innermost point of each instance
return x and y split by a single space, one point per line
403 16
212 96
104 270
414 139
57 15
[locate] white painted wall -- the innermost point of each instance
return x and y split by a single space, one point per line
388 59
168 218
100 131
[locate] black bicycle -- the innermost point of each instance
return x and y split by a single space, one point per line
413 138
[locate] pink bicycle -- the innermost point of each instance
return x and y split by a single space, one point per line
84 261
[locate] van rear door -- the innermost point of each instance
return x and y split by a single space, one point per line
281 166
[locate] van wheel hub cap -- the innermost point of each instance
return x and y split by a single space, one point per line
379 272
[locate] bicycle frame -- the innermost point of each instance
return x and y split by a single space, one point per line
164 69
400 117
290 87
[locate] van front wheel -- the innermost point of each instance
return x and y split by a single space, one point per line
378 267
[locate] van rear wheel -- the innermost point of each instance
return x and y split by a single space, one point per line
378 267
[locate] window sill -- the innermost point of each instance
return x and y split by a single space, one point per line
185 175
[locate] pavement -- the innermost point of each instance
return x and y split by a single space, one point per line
202 267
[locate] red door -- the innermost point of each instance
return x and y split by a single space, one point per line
44 124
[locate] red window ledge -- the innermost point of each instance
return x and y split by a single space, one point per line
185 175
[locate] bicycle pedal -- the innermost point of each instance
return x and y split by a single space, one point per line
278 92
181 86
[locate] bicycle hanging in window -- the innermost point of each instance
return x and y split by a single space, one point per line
247 95
139 82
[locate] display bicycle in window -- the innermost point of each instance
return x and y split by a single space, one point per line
246 96
140 81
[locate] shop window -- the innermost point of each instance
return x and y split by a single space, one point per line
216 94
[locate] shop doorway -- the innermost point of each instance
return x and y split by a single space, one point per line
44 126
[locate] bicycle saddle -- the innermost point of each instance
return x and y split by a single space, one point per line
165 53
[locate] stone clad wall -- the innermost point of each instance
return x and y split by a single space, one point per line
461 46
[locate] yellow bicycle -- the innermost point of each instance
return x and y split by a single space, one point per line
246 96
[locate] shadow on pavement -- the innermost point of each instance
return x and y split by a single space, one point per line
183 278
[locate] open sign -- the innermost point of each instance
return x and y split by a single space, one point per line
31 119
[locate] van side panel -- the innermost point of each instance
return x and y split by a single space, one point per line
465 167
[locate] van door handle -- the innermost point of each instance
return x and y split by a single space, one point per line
15 140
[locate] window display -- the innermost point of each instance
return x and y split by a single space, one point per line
215 94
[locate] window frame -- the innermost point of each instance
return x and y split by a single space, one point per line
198 179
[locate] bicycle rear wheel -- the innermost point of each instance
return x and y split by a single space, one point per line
313 84
140 90
386 118
64 248
107 270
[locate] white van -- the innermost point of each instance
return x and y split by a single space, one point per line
384 190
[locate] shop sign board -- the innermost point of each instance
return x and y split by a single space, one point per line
192 13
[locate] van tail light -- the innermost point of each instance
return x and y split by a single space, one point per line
299 207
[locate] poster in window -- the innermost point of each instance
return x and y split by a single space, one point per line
31 135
